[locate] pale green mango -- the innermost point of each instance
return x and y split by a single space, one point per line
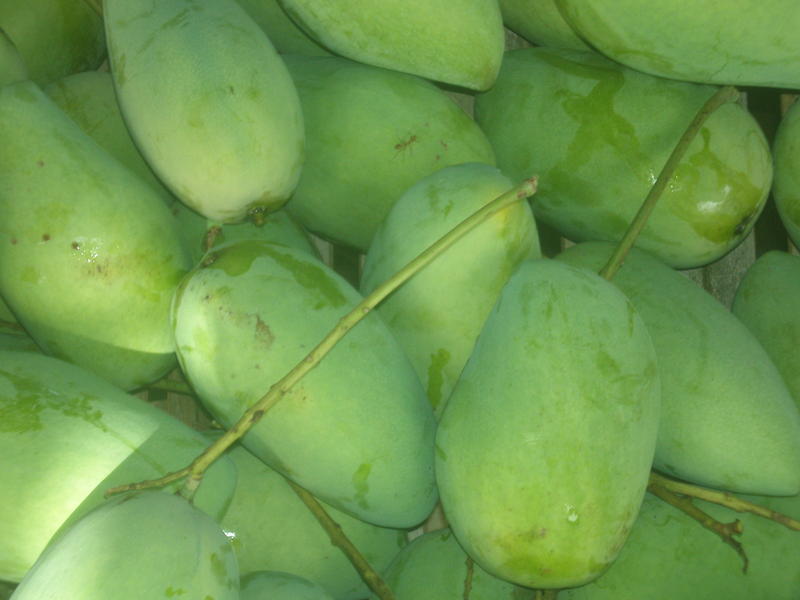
766 302
598 134
54 37
437 315
434 567
389 131
284 33
670 556
12 69
89 254
142 545
278 227
209 103
453 41
66 436
543 452
739 42
272 530
540 22
357 431
280 586
727 418
786 187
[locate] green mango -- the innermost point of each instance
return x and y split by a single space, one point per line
459 42
54 37
766 302
389 131
727 418
140 545
670 556
739 42
89 254
357 431
434 567
284 33
66 436
12 69
786 187
540 22
280 586
543 452
272 530
598 134
437 315
209 103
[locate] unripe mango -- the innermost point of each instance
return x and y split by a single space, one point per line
786 187
272 585
540 22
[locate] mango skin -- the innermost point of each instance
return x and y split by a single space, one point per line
66 436
459 42
437 314
390 130
766 302
598 135
738 42
561 394
434 567
669 556
786 187
280 586
272 530
89 254
727 418
540 22
12 69
357 431
209 103
285 34
120 550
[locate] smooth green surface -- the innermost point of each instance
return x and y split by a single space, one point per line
89 253
209 103
145 545
786 187
438 314
727 418
272 530
285 34
371 134
357 431
767 302
598 134
434 567
540 22
66 436
453 41
669 556
280 586
544 449
740 42
12 69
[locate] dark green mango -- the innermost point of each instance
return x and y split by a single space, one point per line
786 187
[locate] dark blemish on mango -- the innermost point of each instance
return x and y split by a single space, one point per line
40 163
75 246
45 237
13 241
405 144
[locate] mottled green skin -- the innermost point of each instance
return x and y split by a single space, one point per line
66 436
766 302
598 135
284 33
434 567
357 431
274 531
143 545
54 37
669 556
89 253
786 187
279 227
544 449
452 41
280 586
739 42
371 134
209 103
437 315
727 418
12 69
540 22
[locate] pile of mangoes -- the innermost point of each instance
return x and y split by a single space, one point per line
194 194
